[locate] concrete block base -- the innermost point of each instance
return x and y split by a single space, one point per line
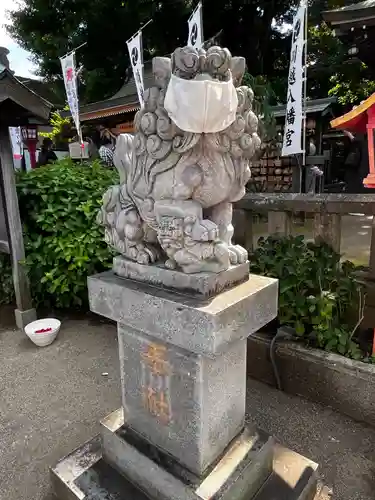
253 468
327 378
23 318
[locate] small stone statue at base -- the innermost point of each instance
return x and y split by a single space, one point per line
186 164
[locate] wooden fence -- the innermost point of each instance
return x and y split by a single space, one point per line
327 211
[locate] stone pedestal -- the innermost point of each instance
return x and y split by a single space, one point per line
183 361
180 433
186 404
202 285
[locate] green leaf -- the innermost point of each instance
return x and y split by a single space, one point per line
299 327
341 349
331 345
63 244
343 339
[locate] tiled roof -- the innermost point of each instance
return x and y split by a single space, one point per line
41 88
312 106
356 6
124 100
102 113
19 102
129 88
351 13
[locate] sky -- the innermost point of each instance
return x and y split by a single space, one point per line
19 59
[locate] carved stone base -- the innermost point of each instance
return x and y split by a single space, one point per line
92 471
204 284
238 474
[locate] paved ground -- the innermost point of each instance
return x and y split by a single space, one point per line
51 400
343 448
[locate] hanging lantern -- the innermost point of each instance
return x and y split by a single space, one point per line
311 124
353 51
30 138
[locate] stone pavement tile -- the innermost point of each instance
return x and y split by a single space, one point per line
52 399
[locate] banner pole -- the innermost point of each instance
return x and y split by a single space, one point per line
140 29
306 31
195 10
201 16
143 27
74 50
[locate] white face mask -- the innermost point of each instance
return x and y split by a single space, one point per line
201 105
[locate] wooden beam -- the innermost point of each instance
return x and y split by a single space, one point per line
14 226
4 245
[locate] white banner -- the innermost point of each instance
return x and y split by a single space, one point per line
196 28
16 141
70 80
136 58
292 143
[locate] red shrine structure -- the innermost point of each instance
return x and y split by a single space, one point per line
354 25
361 120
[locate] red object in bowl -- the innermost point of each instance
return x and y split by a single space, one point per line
43 330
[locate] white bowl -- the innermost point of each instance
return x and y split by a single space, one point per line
43 339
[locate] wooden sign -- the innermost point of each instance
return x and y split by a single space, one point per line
124 128
77 152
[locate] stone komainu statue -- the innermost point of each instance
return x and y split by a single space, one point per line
177 186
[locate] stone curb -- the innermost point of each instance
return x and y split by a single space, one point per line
343 384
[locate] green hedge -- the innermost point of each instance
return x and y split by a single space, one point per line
6 281
319 296
63 243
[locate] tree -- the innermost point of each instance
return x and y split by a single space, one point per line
62 129
248 27
354 89
48 33
263 96
255 29
331 70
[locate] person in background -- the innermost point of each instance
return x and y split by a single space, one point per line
356 164
313 172
93 150
106 151
106 132
311 147
46 154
